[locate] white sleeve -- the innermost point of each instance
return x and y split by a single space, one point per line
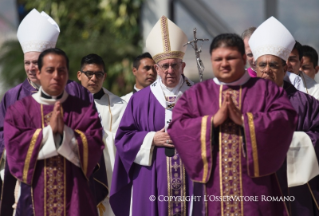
69 146
48 144
301 154
144 155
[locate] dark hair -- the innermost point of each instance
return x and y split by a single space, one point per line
311 53
248 32
55 51
228 40
136 61
92 59
298 47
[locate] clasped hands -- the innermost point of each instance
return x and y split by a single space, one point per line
56 120
228 110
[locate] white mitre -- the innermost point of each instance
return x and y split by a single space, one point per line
273 38
37 32
166 41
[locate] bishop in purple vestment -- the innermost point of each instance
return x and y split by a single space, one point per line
272 66
228 132
55 148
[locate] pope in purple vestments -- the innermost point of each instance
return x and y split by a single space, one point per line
228 132
149 178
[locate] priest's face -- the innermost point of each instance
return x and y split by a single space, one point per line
228 64
249 54
31 66
293 62
54 74
272 68
170 70
145 74
308 67
92 77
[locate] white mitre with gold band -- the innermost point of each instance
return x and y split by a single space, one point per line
166 41
37 32
273 38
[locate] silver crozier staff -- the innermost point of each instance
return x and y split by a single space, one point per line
200 65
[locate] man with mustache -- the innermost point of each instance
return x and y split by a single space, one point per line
110 108
298 176
144 72
146 161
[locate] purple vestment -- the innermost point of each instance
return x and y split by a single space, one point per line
251 72
18 92
151 184
306 196
58 186
233 162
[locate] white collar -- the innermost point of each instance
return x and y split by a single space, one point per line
238 82
136 89
37 97
174 90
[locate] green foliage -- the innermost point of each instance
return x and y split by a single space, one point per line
108 28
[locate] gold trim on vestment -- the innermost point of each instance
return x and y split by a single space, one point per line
203 147
278 184
85 151
165 34
253 143
230 164
313 197
168 55
168 184
29 155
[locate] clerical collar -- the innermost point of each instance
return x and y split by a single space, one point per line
238 82
174 90
38 96
34 85
99 94
47 96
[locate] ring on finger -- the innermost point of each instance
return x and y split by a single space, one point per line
167 141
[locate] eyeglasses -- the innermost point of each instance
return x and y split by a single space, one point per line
174 66
89 74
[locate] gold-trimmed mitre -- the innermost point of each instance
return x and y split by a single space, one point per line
37 32
166 41
273 38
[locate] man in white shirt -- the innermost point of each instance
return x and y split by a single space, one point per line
110 108
144 72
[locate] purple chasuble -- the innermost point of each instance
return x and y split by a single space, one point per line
18 92
152 184
235 164
306 196
251 72
58 186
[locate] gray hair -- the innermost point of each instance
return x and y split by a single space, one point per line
248 32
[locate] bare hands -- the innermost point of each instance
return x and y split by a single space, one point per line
56 120
221 115
162 139
233 112
228 109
